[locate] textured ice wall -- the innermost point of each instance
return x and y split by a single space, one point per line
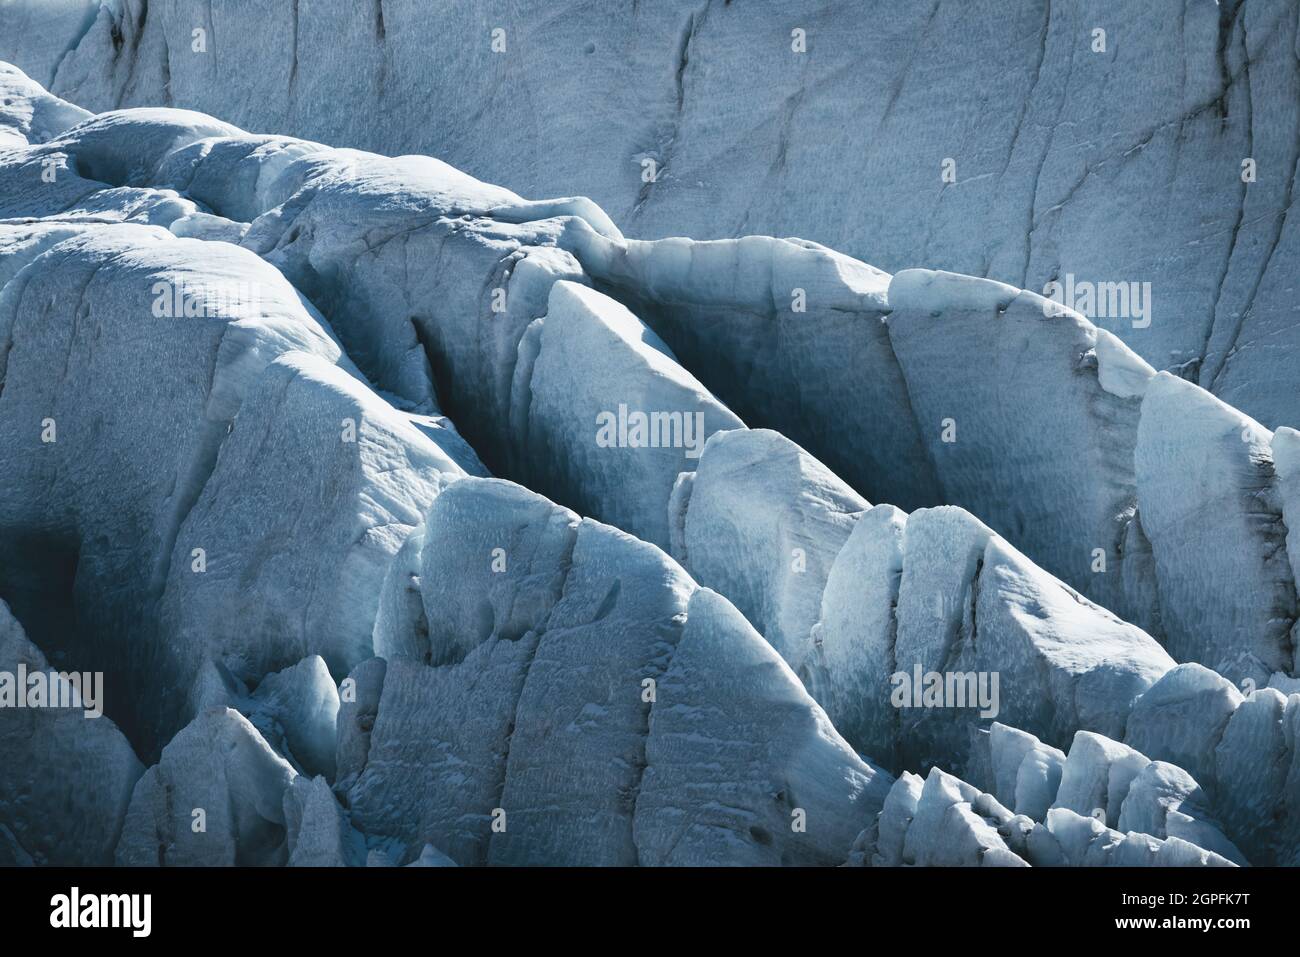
799 762
334 188
593 704
121 445
1013 95
1004 437
852 596
1142 490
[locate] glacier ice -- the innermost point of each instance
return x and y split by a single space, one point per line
200 365
383 473
762 524
576 654
609 416
1038 399
75 816
1183 716
30 114
946 821
334 242
852 653
1037 194
317 830
216 797
1214 520
1026 774
282 373
299 706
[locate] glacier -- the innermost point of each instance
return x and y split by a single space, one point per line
412 521
1067 152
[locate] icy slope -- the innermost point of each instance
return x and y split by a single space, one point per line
1143 491
590 363
1002 436
313 228
1092 139
29 114
803 321
853 595
267 383
229 365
